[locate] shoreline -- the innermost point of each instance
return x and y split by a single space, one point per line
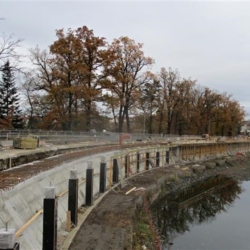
113 224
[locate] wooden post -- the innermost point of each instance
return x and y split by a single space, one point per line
147 161
127 165
50 219
115 171
103 166
138 162
157 163
89 184
68 221
73 196
167 156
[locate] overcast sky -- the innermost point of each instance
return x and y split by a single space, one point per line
208 41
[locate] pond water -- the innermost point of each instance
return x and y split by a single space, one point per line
212 215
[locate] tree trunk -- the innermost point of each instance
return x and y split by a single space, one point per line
127 119
169 121
88 115
121 119
160 122
115 120
150 123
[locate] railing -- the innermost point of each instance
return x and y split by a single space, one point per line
62 137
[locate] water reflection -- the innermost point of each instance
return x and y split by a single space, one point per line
198 204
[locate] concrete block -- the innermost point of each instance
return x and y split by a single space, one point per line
50 192
7 238
90 165
73 174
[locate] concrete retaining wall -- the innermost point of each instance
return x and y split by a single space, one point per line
19 205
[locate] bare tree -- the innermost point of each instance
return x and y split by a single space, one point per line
8 50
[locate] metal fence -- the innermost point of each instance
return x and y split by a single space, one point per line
64 137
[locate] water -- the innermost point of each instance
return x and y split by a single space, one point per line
214 215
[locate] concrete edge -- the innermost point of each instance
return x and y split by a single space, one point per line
6 154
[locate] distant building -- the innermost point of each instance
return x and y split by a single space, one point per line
245 128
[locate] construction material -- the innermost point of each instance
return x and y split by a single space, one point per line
68 221
131 190
29 142
7 238
20 230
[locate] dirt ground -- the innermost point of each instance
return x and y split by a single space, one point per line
112 224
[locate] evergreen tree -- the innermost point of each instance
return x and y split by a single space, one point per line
10 112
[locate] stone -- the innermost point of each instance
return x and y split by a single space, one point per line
220 162
210 164
198 168
50 193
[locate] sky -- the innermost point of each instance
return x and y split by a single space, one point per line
207 41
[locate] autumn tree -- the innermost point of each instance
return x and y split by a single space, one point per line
111 102
214 113
183 106
209 101
148 103
66 61
168 80
94 55
81 70
227 117
78 61
237 115
71 75
187 108
126 76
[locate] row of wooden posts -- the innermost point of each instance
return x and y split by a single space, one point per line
50 202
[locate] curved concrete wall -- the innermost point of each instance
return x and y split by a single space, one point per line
18 205
21 203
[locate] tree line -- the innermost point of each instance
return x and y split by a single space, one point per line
82 82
